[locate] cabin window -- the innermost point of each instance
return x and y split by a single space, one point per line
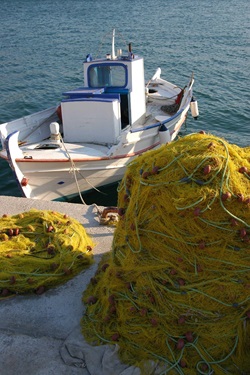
107 75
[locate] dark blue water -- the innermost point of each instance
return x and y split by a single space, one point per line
43 44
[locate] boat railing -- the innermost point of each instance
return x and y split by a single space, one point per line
159 123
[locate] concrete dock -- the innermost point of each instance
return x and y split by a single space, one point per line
33 329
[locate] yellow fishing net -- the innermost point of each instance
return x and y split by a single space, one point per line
175 289
39 250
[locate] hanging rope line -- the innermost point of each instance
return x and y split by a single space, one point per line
75 170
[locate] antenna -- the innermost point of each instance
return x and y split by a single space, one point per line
113 56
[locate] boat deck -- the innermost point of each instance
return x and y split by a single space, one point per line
76 151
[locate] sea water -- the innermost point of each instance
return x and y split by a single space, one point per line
44 43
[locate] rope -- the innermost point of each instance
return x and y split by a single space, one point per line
74 170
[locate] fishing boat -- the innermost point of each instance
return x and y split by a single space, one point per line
85 141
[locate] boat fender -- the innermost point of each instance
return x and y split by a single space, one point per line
164 134
194 108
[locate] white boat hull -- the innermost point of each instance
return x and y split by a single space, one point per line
61 177
57 181
56 175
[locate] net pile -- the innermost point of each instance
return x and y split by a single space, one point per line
175 289
39 250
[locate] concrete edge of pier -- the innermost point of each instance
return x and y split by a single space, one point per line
33 328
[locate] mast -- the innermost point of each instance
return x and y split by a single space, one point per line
113 56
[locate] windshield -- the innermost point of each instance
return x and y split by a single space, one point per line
107 75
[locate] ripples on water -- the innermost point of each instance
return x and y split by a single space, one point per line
44 42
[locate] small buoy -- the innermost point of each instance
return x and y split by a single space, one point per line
24 181
164 134
194 108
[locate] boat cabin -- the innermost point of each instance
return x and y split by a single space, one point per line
112 98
